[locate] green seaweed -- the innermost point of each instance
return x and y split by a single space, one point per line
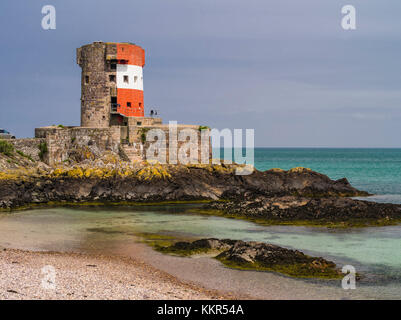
157 241
165 244
350 223
185 252
296 270
53 204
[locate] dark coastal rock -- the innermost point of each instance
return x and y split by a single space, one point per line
198 246
171 183
259 256
291 208
212 244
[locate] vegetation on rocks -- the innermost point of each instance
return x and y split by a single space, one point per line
313 269
146 172
250 256
22 154
203 128
143 132
13 160
333 212
42 150
151 172
6 148
315 223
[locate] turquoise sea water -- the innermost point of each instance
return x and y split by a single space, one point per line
377 171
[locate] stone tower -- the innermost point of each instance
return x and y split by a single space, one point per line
112 83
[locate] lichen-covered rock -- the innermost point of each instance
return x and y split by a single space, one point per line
114 181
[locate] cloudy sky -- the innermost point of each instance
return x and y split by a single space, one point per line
285 68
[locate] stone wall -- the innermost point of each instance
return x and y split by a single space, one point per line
137 140
144 121
77 142
29 146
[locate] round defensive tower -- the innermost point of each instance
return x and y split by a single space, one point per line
111 83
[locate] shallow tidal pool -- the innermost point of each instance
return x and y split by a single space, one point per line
374 252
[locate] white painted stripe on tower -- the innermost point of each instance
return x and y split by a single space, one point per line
129 77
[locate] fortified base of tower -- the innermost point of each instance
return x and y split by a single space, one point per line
112 107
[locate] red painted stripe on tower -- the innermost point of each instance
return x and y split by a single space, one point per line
129 93
131 102
130 54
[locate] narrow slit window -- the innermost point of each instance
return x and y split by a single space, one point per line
86 79
126 79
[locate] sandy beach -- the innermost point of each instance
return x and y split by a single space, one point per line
80 276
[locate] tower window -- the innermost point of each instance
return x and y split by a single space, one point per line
135 79
112 78
86 79
126 79
129 104
113 66
140 104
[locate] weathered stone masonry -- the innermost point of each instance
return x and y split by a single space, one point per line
112 109
61 142
29 146
96 87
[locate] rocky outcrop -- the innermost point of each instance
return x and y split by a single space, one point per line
259 256
274 195
151 183
198 246
291 208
